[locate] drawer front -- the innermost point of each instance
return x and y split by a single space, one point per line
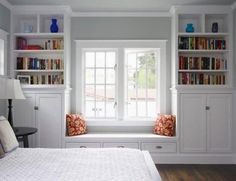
121 145
83 145
159 147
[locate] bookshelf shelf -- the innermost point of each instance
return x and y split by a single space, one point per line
203 51
200 71
38 71
40 35
203 34
38 51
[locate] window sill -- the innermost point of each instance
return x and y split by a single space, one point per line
124 123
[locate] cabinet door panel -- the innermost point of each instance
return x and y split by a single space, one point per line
24 115
48 118
193 123
219 122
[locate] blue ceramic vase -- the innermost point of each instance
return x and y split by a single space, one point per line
54 26
189 28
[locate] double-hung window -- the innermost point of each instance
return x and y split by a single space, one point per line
120 80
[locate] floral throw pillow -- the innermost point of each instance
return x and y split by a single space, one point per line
75 124
165 125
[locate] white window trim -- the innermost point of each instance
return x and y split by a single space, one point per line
3 36
120 45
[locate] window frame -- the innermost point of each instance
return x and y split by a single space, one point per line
3 36
120 46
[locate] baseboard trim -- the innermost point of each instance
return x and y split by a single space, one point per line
194 159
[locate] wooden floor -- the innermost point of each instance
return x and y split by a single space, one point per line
197 172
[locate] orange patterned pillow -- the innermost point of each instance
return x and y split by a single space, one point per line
75 124
165 125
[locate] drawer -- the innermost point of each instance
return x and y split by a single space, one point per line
159 147
120 145
83 145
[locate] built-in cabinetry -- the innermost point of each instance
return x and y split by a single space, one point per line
43 111
40 58
202 79
206 121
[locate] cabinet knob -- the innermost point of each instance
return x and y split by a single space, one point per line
207 107
83 146
158 147
36 108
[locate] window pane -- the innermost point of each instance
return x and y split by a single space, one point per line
131 109
89 79
141 78
110 109
89 108
110 76
100 93
152 112
90 59
100 76
110 93
89 92
131 58
110 59
100 59
141 108
100 109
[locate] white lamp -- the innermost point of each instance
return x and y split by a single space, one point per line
10 89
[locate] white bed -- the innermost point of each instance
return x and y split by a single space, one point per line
89 164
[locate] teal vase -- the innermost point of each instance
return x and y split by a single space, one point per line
189 28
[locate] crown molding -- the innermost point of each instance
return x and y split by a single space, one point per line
121 14
233 6
28 9
6 4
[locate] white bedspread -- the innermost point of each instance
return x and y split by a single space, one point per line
108 164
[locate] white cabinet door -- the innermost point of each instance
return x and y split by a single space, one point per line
49 120
24 115
219 118
193 123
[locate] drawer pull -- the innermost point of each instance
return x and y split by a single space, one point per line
120 146
158 147
83 146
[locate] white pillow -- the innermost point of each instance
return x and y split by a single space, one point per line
7 136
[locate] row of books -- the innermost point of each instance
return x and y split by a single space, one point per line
202 63
29 63
201 43
201 79
46 79
54 44
50 44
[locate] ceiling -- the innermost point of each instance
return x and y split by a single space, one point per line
121 5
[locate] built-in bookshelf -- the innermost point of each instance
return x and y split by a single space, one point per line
38 54
202 57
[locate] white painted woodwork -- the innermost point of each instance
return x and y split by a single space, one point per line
193 123
49 120
219 123
83 145
121 145
159 147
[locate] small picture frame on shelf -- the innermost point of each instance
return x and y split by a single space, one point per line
24 79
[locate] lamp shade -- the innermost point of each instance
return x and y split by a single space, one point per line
10 89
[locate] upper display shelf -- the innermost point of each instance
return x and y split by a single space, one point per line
38 24
203 23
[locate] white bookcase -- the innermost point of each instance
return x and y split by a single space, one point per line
202 80
40 58
43 65
202 58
